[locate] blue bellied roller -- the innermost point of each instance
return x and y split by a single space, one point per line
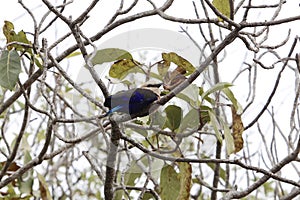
135 102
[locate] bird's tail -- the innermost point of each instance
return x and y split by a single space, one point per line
115 109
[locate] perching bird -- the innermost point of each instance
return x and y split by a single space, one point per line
135 102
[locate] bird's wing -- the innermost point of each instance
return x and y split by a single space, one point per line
144 95
132 101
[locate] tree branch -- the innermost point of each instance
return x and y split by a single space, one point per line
240 194
111 161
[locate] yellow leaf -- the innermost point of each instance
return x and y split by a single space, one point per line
120 68
11 36
9 33
7 28
185 180
182 63
223 6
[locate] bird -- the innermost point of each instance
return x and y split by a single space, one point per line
135 102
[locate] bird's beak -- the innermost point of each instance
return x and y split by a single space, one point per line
152 85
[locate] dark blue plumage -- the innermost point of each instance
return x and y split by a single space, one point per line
135 102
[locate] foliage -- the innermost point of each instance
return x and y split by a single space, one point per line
206 136
10 68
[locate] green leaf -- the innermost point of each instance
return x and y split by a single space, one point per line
26 181
192 91
76 53
25 146
10 68
174 117
268 187
175 185
25 187
217 87
38 63
11 191
222 171
223 7
184 97
204 115
120 68
20 104
207 98
110 55
230 147
148 196
132 174
190 120
169 183
155 76
215 125
41 135
212 166
179 61
238 107
157 119
119 194
27 157
156 167
68 88
26 184
21 37
142 132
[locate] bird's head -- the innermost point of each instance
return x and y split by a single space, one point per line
154 87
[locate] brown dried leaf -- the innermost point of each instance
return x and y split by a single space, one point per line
180 70
174 78
237 130
12 167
